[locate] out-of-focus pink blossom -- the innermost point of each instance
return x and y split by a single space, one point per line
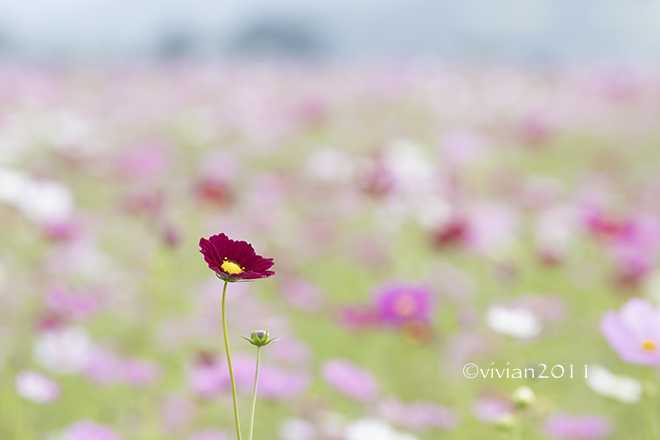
490 409
143 162
535 129
177 412
493 227
463 347
209 376
103 367
350 380
454 232
303 295
171 236
88 430
210 434
290 351
277 384
148 203
62 230
374 179
139 372
462 147
569 427
71 304
604 224
418 416
358 318
213 193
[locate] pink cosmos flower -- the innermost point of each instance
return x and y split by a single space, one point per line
88 430
350 380
634 332
70 304
566 426
62 230
209 376
462 147
357 318
490 409
176 412
492 227
419 416
303 295
398 304
139 372
145 162
278 384
103 367
290 351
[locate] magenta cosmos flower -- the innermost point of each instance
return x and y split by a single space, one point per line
634 332
398 304
234 260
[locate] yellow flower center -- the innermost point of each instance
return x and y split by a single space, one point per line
649 346
405 305
231 268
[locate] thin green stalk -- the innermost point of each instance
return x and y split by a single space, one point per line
649 405
254 393
652 426
231 370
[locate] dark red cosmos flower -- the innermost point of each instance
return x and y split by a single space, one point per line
234 260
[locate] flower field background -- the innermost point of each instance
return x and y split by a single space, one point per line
421 216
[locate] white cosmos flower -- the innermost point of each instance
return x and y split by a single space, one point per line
36 387
622 388
12 184
372 429
63 351
39 200
329 165
45 201
408 163
297 429
514 322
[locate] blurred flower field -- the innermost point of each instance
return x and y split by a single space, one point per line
421 217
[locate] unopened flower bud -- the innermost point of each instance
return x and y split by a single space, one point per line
259 338
505 422
524 397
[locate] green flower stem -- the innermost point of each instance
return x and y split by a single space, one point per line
254 393
652 423
649 405
231 370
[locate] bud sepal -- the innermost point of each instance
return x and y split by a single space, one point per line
259 338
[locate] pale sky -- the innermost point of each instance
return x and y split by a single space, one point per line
624 27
